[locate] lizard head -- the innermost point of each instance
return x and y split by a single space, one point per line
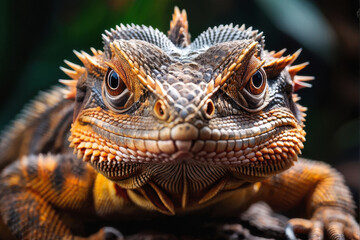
161 116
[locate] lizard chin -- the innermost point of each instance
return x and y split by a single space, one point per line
176 188
173 188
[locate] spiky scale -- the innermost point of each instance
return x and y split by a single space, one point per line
293 70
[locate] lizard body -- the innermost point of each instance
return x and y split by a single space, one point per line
161 126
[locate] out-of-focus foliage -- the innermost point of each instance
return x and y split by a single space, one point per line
37 35
304 22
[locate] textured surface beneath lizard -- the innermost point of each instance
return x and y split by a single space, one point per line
259 222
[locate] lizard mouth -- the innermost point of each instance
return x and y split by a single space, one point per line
268 146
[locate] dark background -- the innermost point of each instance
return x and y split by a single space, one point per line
37 35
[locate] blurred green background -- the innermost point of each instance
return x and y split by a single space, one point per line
37 35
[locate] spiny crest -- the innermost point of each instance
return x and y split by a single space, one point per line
127 32
301 82
227 33
279 63
74 74
92 66
180 37
179 29
92 63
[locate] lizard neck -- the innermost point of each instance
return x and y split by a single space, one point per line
181 188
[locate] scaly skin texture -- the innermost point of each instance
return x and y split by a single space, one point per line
161 126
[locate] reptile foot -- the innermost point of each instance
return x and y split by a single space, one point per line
328 221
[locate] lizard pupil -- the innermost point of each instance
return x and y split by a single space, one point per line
257 79
113 80
257 83
161 111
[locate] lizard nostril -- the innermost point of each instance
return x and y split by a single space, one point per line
160 110
209 108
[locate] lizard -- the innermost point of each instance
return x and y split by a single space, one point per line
157 125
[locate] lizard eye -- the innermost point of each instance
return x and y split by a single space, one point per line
257 82
117 95
254 95
114 84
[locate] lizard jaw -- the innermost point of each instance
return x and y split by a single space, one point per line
276 140
197 151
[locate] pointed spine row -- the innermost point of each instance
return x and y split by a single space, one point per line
179 28
92 63
274 68
279 63
91 66
177 15
224 33
74 73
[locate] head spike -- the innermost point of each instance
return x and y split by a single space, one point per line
302 109
179 28
70 73
69 93
74 66
274 67
303 78
296 97
279 53
109 34
295 56
75 74
91 63
95 52
106 39
69 83
89 58
293 70
301 82
80 57
259 36
184 14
